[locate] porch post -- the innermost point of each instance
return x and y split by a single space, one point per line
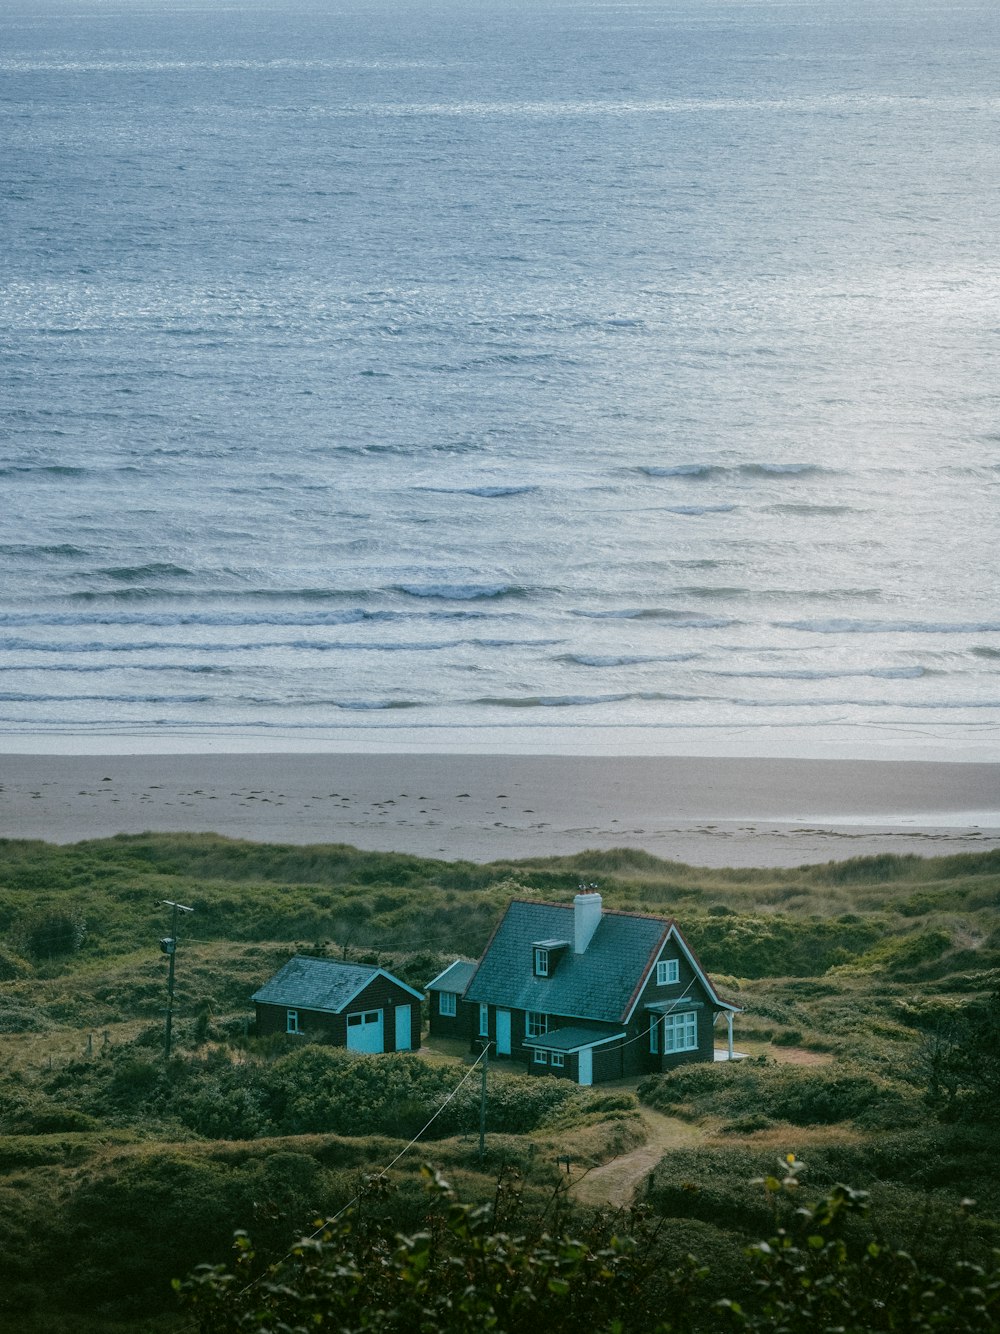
729 1021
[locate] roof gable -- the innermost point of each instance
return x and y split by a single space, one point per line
321 984
675 933
598 984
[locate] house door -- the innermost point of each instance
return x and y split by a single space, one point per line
364 1031
404 1028
503 1032
586 1066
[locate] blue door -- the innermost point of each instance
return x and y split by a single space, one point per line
503 1032
364 1031
404 1028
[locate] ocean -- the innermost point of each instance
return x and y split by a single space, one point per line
574 373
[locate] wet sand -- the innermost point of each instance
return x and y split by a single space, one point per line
703 811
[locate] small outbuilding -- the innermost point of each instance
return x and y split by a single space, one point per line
358 1006
450 1015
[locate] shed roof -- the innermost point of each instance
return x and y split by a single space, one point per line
573 1039
454 978
321 984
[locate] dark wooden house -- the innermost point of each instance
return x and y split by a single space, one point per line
594 995
450 1015
357 1006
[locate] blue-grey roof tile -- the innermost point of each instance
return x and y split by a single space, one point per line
572 1039
454 978
316 984
596 985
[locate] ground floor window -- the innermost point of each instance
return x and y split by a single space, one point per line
484 1020
654 1035
447 1002
292 1021
535 1025
558 1060
680 1032
541 1057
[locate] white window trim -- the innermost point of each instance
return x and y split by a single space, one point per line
557 1060
541 1057
536 1024
541 962
484 1020
680 1032
448 1003
667 972
654 1034
292 1022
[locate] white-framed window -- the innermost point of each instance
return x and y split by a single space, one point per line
541 962
447 1003
680 1032
667 971
484 1020
654 1035
541 1057
558 1060
292 1021
535 1025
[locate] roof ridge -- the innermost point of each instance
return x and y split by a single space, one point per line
605 912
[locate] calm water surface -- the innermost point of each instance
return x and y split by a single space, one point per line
500 368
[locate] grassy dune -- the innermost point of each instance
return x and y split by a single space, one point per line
865 984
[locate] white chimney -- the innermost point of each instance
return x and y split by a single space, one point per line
586 919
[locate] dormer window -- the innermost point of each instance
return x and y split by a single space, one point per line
667 971
545 956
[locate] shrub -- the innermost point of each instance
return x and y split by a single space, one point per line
800 1095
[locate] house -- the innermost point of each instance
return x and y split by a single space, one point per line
450 1015
357 1006
590 994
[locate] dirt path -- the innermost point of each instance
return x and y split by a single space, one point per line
616 1183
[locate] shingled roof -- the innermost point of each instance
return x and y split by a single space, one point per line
320 984
598 984
454 978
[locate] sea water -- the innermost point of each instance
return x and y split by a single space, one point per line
591 368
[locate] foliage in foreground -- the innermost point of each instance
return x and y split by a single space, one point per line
476 1268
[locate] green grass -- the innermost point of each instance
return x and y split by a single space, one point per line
117 1172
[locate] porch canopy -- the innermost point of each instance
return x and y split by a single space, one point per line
576 1038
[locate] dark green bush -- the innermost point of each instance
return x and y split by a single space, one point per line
804 1096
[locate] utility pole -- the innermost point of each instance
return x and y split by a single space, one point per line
482 1103
168 944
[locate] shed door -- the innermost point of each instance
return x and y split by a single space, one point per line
586 1066
404 1028
503 1032
364 1031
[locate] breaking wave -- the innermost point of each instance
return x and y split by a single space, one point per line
843 626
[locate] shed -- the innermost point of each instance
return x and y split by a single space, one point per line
358 1006
450 1015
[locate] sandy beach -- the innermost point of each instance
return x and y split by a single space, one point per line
704 811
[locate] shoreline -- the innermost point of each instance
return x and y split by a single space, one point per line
703 810
899 742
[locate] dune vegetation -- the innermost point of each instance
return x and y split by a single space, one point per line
871 995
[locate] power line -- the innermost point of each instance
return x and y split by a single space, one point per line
483 1056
